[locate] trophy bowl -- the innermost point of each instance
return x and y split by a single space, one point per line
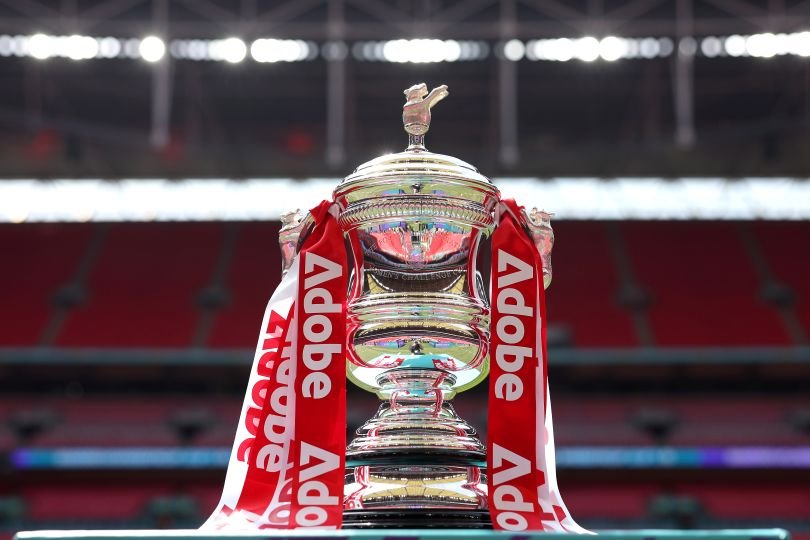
417 327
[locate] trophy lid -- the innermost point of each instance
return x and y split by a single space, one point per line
416 170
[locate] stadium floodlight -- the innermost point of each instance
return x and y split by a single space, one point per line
279 50
514 50
799 43
78 47
108 47
334 51
40 46
649 48
452 50
611 48
561 49
735 45
232 50
152 49
761 45
711 46
586 49
687 46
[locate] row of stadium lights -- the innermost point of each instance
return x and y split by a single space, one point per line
234 50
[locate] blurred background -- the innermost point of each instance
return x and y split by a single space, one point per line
148 148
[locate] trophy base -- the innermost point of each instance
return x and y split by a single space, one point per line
416 464
416 518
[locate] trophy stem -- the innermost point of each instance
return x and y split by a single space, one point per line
416 142
416 454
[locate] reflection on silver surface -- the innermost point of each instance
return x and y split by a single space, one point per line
418 318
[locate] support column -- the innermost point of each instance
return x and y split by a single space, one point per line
336 87
508 153
161 81
683 81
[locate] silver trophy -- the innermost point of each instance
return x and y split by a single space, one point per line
418 327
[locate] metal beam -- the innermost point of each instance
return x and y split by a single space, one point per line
161 81
508 153
683 80
336 90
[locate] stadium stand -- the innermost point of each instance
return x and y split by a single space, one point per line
45 259
172 420
680 262
782 244
91 290
142 266
212 289
252 276
581 300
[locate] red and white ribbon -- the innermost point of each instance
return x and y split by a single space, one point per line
286 469
522 479
287 464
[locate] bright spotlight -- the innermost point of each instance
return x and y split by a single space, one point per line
734 45
80 47
711 46
152 48
586 49
278 50
40 46
452 50
561 50
232 50
514 50
334 51
687 46
761 45
666 46
109 47
611 48
649 47
799 43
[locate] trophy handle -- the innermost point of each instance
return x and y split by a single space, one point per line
538 224
295 227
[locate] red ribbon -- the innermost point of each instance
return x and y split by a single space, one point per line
287 467
319 445
523 494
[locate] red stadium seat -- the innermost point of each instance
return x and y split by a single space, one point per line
253 276
747 501
106 435
582 295
785 247
704 289
143 289
608 501
96 502
38 260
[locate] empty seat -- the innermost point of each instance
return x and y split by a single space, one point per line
607 501
91 502
106 435
582 295
705 291
785 246
748 501
254 273
38 259
143 290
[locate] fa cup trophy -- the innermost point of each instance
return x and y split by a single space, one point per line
382 279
